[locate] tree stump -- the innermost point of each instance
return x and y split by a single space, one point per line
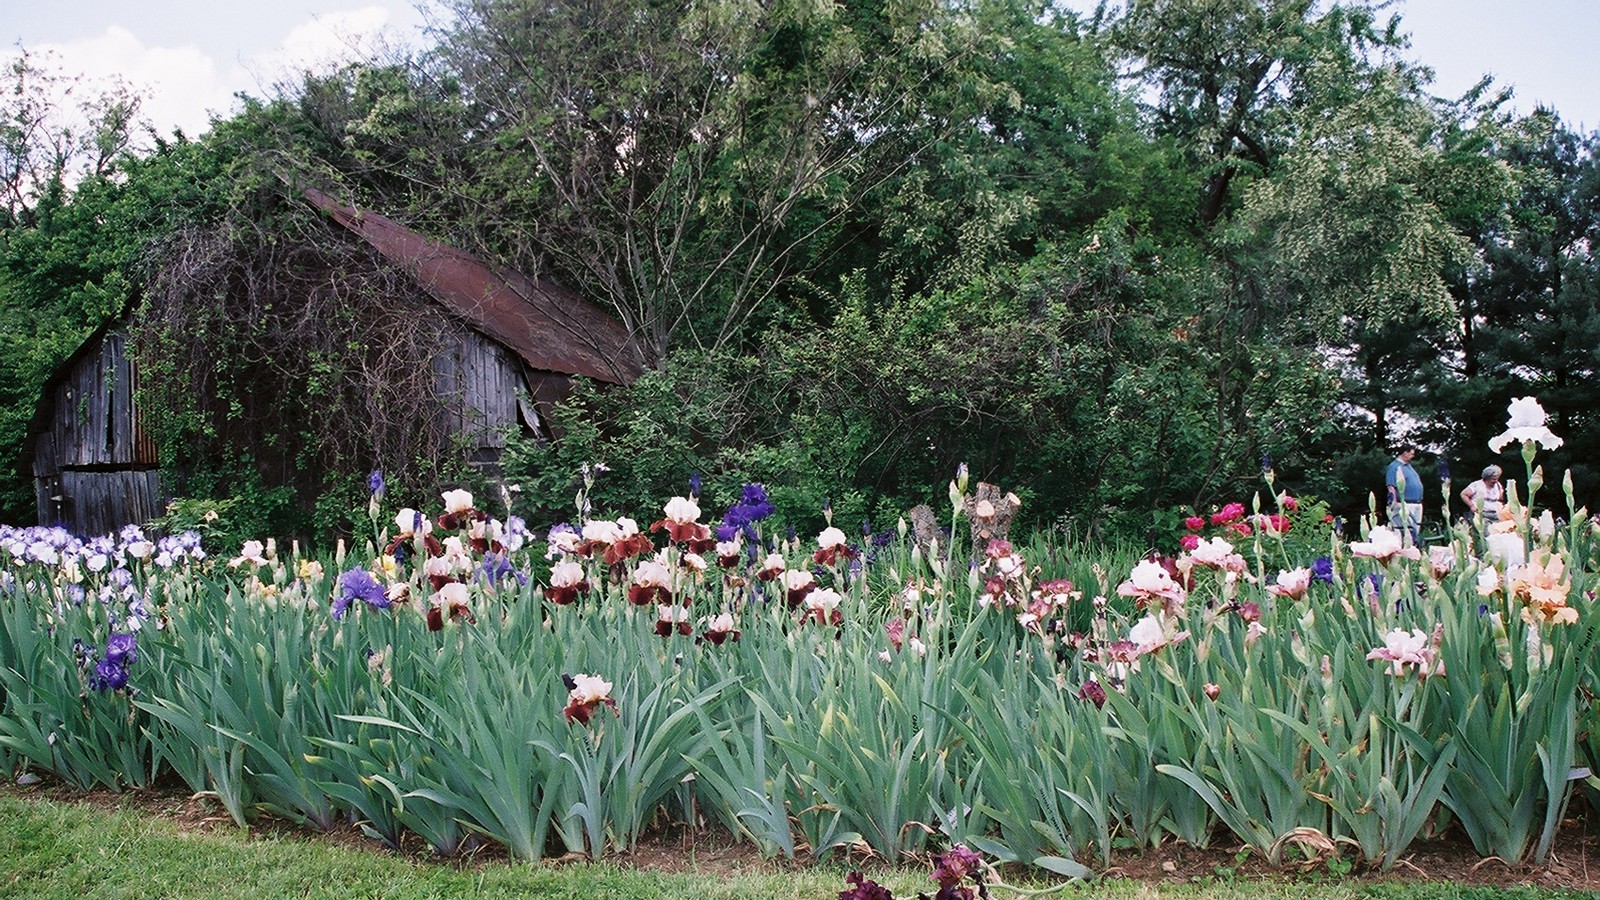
990 510
925 528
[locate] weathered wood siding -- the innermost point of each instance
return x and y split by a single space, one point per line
94 465
103 502
478 381
94 423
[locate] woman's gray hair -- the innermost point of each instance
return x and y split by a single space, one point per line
1491 472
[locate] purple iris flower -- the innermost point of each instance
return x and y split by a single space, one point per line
953 867
1374 584
694 484
375 483
83 653
358 584
122 649
860 887
753 506
1322 569
108 676
752 541
497 567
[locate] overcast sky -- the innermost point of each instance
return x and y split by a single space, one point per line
192 56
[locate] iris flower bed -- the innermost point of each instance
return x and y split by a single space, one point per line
462 681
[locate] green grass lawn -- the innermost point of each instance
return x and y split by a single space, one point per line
52 849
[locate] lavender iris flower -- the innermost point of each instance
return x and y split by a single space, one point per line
497 568
358 584
1374 584
375 483
555 533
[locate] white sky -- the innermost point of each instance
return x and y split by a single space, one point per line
191 56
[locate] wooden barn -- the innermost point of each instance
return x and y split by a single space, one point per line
94 468
519 345
525 338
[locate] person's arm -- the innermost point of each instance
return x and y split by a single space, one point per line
1468 497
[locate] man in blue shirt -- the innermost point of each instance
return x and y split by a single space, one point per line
1404 487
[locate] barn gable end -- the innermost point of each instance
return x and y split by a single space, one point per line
94 467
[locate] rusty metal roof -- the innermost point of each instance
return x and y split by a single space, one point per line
549 326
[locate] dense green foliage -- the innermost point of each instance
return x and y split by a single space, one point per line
1109 262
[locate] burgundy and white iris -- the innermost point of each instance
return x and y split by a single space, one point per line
797 583
822 607
772 567
682 525
671 617
720 629
832 544
652 583
459 512
585 695
613 542
567 581
451 602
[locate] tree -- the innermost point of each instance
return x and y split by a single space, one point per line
1534 303
678 160
56 130
1228 75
